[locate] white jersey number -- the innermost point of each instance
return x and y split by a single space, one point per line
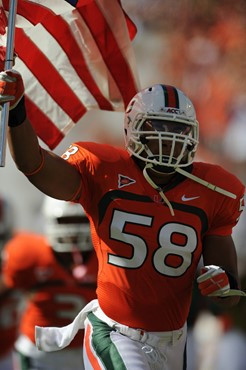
165 245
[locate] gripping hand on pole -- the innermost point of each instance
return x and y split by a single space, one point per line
12 91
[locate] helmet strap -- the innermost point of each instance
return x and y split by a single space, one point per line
170 170
156 187
205 183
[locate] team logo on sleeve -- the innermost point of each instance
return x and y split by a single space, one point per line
124 181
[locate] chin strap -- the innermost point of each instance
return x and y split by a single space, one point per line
190 176
156 187
205 183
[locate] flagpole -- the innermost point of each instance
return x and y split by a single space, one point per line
8 65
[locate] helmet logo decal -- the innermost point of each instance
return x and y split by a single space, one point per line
174 111
130 106
124 181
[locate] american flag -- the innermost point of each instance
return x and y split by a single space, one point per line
74 56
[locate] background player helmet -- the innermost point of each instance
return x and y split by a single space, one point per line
6 221
66 226
172 121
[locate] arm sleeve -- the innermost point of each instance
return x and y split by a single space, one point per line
82 159
228 213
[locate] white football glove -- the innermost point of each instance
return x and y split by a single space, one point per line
213 281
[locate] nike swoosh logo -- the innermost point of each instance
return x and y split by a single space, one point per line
185 199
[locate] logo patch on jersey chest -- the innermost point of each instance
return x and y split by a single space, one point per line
124 181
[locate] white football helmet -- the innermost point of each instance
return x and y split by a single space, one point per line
66 226
6 221
163 114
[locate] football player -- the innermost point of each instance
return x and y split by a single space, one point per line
57 272
153 212
10 299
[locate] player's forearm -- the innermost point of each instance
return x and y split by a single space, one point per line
44 169
24 147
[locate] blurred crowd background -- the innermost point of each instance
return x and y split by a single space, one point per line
200 47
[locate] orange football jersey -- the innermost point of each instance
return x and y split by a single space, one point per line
148 258
54 296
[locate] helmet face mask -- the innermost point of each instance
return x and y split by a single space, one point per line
67 227
174 130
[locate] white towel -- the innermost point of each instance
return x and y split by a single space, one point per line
51 339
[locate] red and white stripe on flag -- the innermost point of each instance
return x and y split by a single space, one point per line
74 56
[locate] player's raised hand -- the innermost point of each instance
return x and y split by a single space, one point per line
213 281
11 87
12 91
